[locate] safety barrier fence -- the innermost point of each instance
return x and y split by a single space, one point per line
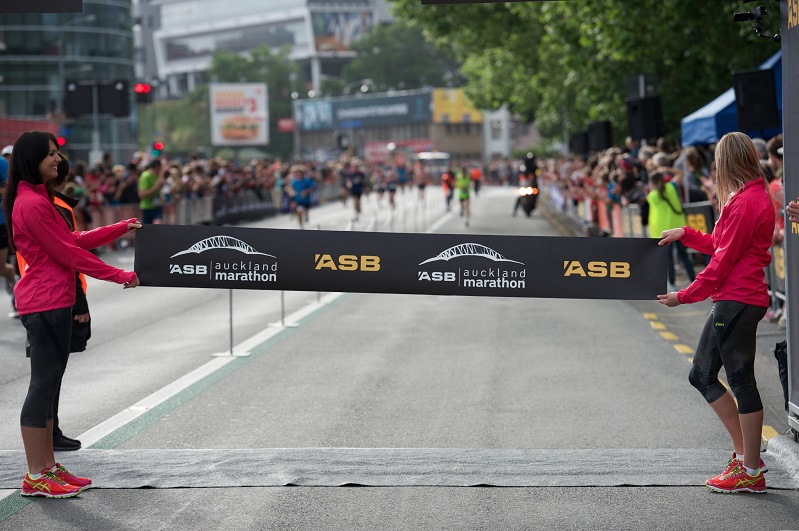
625 222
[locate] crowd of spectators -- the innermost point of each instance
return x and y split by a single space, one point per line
619 176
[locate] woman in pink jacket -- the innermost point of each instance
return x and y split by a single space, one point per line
45 295
735 281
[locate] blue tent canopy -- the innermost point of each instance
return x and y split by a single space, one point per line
709 123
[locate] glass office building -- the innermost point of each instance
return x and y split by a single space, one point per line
39 52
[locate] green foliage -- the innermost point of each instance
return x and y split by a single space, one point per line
184 125
568 62
397 56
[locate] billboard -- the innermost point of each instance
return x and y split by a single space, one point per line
239 114
451 106
362 111
335 32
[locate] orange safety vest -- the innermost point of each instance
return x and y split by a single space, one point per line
21 261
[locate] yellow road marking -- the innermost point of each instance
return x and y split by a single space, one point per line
650 316
768 432
669 336
657 325
683 349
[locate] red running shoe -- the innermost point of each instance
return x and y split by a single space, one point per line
48 486
72 479
734 459
737 480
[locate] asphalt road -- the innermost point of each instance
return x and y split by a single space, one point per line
391 411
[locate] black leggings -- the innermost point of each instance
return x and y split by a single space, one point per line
49 334
729 339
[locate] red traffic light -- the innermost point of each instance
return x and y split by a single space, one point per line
142 88
61 141
158 145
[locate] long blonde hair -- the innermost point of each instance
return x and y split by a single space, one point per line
737 163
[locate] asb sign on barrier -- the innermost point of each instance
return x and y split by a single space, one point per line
373 262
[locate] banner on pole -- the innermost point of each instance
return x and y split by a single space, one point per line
375 262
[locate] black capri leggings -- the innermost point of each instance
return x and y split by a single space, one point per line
49 334
729 339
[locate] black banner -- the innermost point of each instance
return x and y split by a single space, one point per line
789 14
374 262
433 2
41 6
700 216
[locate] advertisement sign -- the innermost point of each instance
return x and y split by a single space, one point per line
362 111
239 114
336 31
382 110
451 106
790 122
313 115
700 216
285 125
372 262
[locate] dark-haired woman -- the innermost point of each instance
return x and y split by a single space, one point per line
45 296
735 280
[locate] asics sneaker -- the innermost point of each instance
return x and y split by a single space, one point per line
72 479
737 480
48 486
734 459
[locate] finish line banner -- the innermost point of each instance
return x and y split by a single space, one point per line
377 262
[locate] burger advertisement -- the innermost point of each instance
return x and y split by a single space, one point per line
239 114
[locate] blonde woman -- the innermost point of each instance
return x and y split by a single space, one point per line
735 281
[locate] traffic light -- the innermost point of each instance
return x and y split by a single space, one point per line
158 147
144 92
61 141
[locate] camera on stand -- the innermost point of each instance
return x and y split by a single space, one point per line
757 16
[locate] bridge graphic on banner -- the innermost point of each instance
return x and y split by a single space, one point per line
375 262
220 242
469 249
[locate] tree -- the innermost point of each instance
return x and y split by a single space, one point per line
568 62
397 56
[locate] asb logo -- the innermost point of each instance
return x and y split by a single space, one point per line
472 270
346 262
596 269
217 265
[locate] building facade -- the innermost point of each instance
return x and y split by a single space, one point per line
39 53
178 37
371 125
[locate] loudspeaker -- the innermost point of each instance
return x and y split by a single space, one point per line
600 136
645 118
579 144
112 98
642 86
756 100
77 99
